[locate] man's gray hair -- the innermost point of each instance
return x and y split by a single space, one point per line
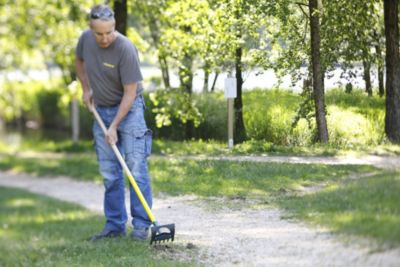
102 12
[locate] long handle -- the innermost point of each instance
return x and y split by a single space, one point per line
126 169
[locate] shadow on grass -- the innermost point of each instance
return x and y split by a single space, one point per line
39 231
227 178
367 207
82 167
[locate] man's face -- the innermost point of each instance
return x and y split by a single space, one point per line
104 31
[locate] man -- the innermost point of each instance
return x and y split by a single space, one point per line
108 68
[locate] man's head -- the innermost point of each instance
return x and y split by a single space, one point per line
102 23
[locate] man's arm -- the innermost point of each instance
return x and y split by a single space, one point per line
81 73
125 106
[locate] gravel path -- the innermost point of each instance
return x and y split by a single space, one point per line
231 237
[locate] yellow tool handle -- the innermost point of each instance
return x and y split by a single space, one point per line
125 167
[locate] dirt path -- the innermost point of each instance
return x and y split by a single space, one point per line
226 236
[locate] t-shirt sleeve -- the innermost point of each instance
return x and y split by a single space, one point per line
130 66
79 48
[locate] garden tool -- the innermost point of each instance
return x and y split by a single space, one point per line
159 233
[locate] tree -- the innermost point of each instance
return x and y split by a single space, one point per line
352 32
37 34
151 14
318 76
121 15
238 29
392 117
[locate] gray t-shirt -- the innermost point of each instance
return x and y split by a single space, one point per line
109 69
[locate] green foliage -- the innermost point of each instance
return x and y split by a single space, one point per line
275 111
17 100
174 103
271 123
46 103
193 35
40 231
50 112
358 118
354 119
213 108
47 29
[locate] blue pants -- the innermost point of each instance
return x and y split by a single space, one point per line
134 143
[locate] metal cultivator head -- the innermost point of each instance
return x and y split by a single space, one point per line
162 233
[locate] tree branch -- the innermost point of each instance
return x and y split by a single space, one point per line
301 5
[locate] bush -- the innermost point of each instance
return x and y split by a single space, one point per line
213 107
268 114
353 118
50 113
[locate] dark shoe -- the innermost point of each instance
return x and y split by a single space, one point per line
140 234
106 234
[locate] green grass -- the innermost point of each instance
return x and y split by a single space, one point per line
198 147
39 231
79 166
245 179
201 177
364 207
367 207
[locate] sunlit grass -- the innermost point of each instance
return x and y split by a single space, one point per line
269 182
39 231
249 179
81 166
366 207
201 177
361 143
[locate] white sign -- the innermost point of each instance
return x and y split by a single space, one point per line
230 87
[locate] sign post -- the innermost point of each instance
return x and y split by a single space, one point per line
230 95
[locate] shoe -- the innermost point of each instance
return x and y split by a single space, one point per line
106 234
140 234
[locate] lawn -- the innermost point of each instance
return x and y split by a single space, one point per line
39 231
367 207
356 200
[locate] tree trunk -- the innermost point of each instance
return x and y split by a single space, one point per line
186 81
318 77
239 130
121 16
392 117
214 82
162 60
381 81
380 71
206 78
367 77
185 73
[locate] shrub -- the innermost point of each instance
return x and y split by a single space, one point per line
268 114
353 118
50 112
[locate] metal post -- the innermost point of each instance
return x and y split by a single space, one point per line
230 95
230 123
75 120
